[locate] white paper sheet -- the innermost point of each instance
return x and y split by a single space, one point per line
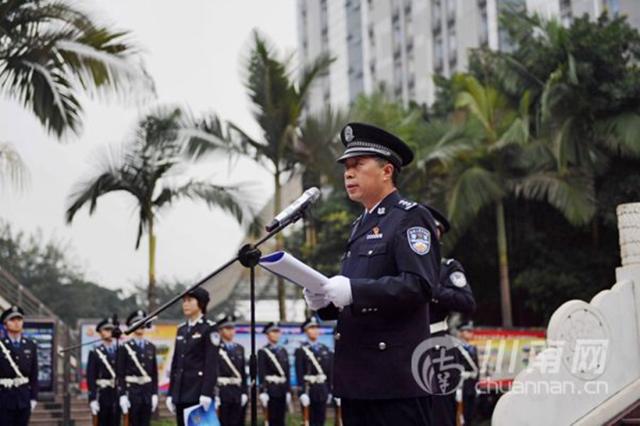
288 267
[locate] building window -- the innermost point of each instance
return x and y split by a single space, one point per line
436 16
438 53
372 37
451 10
566 14
453 43
484 25
612 7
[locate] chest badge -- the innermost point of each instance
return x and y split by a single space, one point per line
419 240
375 234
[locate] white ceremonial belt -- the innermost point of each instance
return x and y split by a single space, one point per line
438 327
226 381
15 382
106 383
318 378
140 380
275 379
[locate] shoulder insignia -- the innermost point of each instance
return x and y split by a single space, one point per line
458 279
210 322
182 324
406 205
449 261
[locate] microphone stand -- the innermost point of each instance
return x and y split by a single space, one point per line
249 256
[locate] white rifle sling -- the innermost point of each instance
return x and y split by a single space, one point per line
275 362
12 363
105 361
234 370
134 357
313 360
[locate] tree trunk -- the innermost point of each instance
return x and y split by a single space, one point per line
503 265
151 291
277 206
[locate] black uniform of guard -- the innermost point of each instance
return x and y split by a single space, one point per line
453 295
273 381
392 261
16 392
232 382
316 384
139 386
101 380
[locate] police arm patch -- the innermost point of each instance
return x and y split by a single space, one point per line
215 338
458 279
419 239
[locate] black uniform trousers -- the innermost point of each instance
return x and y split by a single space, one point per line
231 414
139 414
277 410
14 417
443 409
317 412
109 414
386 412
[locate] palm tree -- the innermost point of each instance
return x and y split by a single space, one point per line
50 51
490 156
147 169
278 103
12 167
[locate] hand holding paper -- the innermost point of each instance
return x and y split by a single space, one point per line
337 290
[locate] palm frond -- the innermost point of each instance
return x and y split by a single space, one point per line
12 168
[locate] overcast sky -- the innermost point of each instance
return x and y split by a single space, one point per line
193 49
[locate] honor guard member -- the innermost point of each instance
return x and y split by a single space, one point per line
232 376
274 376
101 376
453 295
381 298
18 371
137 371
470 375
194 366
313 370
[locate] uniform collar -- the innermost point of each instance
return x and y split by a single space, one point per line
191 324
381 209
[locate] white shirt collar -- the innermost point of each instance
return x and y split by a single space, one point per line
192 323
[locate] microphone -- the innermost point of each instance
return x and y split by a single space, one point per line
308 197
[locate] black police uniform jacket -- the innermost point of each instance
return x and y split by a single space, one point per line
194 366
26 359
235 353
266 367
126 366
97 370
453 294
306 367
392 260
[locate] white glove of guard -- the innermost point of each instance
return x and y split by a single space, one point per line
304 400
95 407
338 291
205 401
154 403
34 404
218 402
338 401
314 301
288 398
170 406
329 399
124 404
244 398
264 399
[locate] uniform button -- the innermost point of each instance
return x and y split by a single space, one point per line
382 346
349 253
337 337
370 252
364 310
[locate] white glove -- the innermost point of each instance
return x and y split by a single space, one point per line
338 291
264 399
124 404
95 407
304 400
205 401
34 404
218 402
244 398
154 403
288 398
314 301
329 399
338 401
170 406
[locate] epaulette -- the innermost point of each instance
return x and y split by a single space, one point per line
448 261
182 324
211 323
406 205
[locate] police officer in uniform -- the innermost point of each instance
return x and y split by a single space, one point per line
232 376
137 372
274 376
101 376
313 370
18 371
381 298
194 366
471 372
453 295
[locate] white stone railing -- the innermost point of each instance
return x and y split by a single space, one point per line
590 370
